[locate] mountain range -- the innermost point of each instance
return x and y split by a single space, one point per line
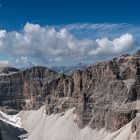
99 102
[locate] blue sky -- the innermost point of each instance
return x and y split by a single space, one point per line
66 32
15 13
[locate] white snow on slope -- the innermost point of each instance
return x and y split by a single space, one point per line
11 119
62 127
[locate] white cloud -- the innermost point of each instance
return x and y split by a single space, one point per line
22 61
119 45
2 33
42 44
101 30
4 63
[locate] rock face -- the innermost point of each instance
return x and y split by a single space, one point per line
9 132
105 95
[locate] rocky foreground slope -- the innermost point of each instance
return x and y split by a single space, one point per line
104 95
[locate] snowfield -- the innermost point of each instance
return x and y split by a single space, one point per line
61 127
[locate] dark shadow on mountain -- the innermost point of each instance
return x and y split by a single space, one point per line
10 132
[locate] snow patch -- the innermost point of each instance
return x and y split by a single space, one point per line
11 119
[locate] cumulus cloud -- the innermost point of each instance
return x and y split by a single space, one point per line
47 45
119 45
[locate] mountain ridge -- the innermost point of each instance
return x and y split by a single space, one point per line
99 93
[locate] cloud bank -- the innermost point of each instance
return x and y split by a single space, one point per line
52 46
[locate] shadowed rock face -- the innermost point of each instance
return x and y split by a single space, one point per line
9 132
104 95
8 70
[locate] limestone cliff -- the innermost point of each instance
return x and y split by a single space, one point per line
105 95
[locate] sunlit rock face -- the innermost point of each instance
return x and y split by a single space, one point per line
104 95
